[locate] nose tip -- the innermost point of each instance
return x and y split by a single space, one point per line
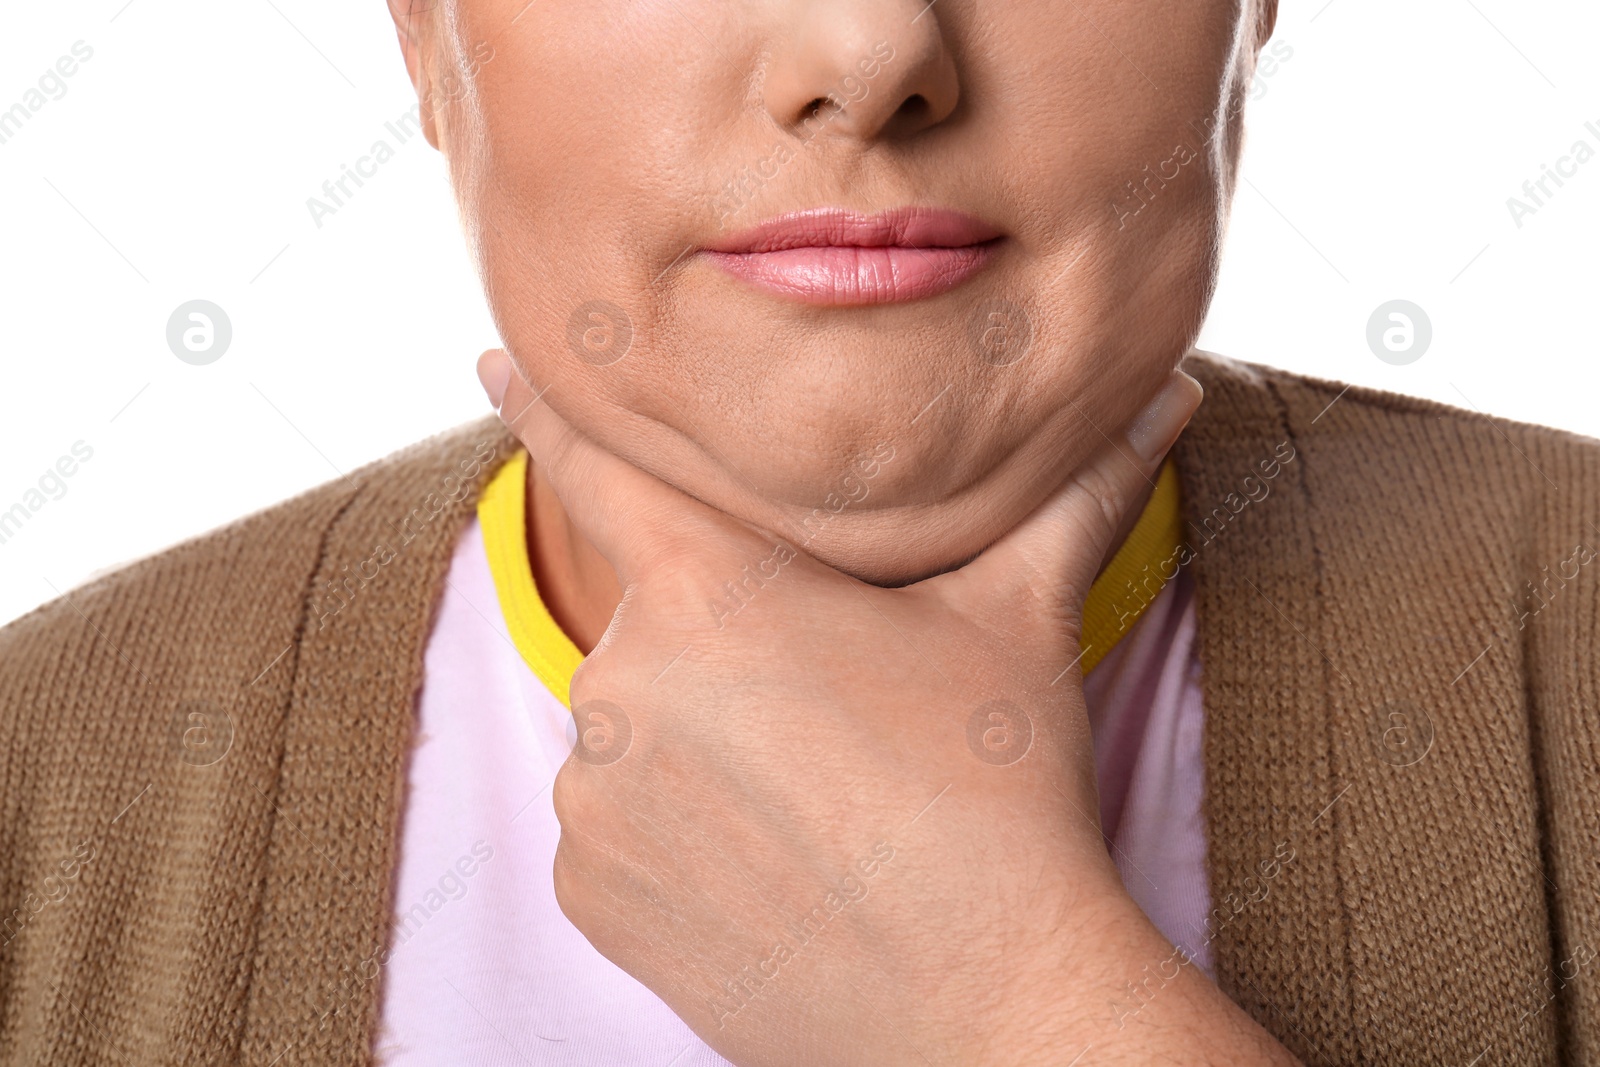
867 70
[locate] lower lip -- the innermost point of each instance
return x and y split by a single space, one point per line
850 275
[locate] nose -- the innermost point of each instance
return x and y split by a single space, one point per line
864 69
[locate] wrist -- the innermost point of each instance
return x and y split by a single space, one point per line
1061 998
1109 981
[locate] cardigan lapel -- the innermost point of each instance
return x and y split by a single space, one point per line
334 839
1341 608
1271 775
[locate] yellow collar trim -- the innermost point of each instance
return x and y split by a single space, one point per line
502 515
1113 603
1135 574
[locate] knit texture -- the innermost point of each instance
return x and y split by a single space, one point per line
202 756
1377 706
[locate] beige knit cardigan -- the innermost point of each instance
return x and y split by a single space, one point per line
1396 632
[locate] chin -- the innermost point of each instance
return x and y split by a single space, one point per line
894 546
893 554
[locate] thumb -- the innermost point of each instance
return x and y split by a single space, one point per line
494 374
1055 553
635 520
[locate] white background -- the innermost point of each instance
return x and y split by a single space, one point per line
178 163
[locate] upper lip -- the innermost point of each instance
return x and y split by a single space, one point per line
904 227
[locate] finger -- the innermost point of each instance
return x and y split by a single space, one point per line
635 520
494 374
1057 550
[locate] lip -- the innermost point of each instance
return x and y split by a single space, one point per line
836 257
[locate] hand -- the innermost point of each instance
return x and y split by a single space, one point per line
828 822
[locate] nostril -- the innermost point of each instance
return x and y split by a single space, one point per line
914 106
914 115
819 105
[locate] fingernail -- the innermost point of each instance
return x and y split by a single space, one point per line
1154 429
494 374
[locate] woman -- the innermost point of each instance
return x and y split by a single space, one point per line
955 685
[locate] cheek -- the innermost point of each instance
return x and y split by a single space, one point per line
1118 174
578 157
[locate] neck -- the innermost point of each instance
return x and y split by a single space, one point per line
579 587
576 583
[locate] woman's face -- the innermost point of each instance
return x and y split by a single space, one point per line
616 160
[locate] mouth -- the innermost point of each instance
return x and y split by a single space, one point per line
836 257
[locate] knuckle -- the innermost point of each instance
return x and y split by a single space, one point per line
585 683
1093 512
679 575
570 798
599 676
666 530
1056 599
1108 500
562 452
570 887
1045 598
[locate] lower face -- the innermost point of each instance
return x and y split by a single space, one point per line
894 408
